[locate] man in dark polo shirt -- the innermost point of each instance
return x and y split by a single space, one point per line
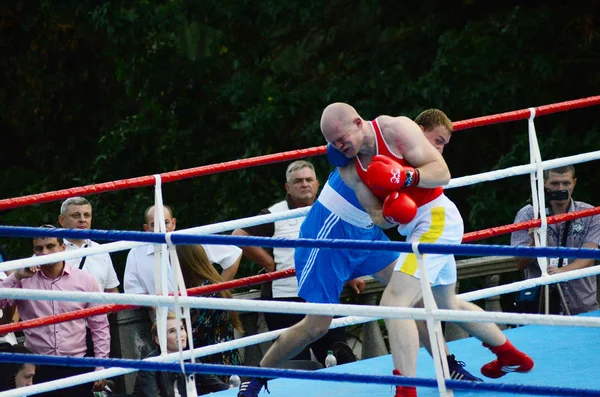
580 294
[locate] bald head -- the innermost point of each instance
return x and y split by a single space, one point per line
170 222
337 117
343 128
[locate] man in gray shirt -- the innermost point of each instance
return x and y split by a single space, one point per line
580 294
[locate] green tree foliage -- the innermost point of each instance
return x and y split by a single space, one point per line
98 91
58 93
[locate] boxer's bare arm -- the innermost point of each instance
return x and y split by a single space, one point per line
367 199
406 140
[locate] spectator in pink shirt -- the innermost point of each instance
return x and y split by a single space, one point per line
63 339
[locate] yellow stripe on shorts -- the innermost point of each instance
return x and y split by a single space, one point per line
436 228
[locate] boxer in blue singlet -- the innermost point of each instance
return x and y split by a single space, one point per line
337 214
321 273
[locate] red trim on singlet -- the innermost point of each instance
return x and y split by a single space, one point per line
420 195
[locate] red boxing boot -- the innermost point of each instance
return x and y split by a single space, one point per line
509 360
404 391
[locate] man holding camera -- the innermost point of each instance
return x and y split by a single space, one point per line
579 294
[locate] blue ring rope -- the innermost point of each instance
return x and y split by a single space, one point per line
182 238
292 374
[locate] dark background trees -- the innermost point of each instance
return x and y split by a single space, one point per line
97 91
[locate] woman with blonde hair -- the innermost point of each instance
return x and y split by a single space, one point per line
172 384
209 326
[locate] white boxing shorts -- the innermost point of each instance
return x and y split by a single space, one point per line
436 222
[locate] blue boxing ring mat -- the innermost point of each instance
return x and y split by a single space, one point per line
565 357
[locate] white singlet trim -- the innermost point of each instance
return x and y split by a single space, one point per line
338 205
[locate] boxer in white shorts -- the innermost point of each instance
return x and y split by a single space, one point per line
396 165
338 214
436 222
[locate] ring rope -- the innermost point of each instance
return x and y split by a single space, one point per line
530 283
468 296
198 352
260 219
532 115
112 308
269 159
250 241
434 326
525 113
125 245
245 222
472 236
320 309
521 170
148 180
533 223
293 374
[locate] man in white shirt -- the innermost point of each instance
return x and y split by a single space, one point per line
139 268
76 213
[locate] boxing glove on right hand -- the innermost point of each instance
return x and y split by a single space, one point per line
399 208
387 174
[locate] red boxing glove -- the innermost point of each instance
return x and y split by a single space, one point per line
399 208
387 174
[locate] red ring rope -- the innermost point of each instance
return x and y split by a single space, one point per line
260 160
243 282
525 113
496 231
148 180
111 308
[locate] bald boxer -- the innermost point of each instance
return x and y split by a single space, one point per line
393 162
337 214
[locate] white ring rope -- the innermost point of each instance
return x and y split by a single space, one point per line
169 240
530 283
431 314
160 264
171 357
434 327
125 245
521 170
165 256
355 313
296 213
474 295
538 200
320 309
